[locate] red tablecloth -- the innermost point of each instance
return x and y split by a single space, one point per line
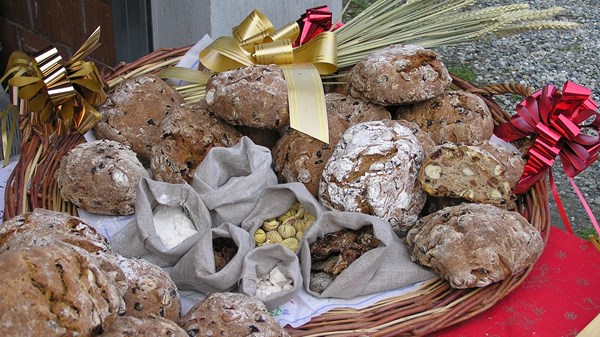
560 296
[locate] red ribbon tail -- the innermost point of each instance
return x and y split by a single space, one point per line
585 206
559 204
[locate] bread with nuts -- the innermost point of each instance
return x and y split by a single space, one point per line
455 116
473 245
398 75
465 171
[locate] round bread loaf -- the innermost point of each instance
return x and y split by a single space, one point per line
43 226
373 169
54 290
231 315
455 116
465 171
399 74
302 158
126 326
133 111
186 136
473 245
254 96
100 177
151 291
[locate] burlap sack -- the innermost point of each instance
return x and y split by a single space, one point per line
386 267
261 261
230 180
196 270
139 238
276 200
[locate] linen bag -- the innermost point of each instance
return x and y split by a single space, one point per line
260 261
197 271
276 200
383 268
230 180
139 237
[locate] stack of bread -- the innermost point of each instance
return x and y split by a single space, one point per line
403 147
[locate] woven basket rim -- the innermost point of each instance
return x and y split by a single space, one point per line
433 306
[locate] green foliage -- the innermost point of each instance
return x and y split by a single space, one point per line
463 71
586 232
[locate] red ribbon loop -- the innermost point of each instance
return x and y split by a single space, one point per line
315 21
554 119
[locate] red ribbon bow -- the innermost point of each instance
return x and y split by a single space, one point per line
315 21
555 119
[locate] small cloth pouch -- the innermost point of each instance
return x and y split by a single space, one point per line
383 268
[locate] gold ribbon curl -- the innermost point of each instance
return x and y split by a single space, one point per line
60 95
255 41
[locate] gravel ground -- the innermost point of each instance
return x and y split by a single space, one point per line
545 57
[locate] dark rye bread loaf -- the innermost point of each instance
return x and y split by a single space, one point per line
54 290
185 137
473 245
398 75
455 116
101 177
43 226
126 326
231 315
133 111
254 96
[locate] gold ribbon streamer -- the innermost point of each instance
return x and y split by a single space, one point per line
61 95
255 41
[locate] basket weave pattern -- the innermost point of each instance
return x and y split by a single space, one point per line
433 306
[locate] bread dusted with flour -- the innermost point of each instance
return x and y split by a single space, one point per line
454 116
254 96
473 245
231 314
185 137
133 111
101 177
373 170
302 158
398 75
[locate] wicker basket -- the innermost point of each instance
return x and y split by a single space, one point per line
433 306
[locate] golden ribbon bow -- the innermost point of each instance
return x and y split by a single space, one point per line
61 95
255 41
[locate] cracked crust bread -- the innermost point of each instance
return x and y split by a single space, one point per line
398 75
473 245
54 290
454 116
373 170
302 158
